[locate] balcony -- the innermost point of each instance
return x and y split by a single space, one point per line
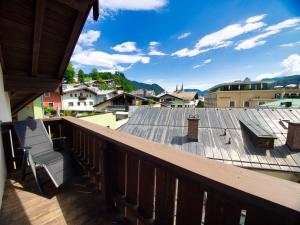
118 108
147 183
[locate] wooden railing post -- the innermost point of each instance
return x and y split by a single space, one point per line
107 176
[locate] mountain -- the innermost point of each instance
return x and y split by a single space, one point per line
197 90
139 85
294 79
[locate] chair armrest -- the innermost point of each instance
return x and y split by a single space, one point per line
24 148
59 139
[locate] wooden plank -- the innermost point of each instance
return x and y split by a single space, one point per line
132 179
165 197
29 84
189 203
78 25
245 185
146 189
40 6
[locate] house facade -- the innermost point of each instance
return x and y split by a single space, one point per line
120 102
179 99
248 94
52 99
79 99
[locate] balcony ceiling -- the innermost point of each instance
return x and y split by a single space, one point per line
37 38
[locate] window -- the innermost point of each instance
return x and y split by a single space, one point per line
90 96
91 103
47 94
232 104
70 104
172 106
50 104
180 106
78 103
247 104
75 95
84 103
81 94
71 95
261 103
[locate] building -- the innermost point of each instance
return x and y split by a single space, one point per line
248 94
33 110
219 135
79 98
120 102
82 97
149 94
179 99
52 99
293 103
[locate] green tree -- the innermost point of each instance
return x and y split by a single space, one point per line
94 74
69 74
81 76
200 104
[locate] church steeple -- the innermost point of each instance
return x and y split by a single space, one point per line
182 87
176 88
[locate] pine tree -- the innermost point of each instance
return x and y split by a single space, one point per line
81 76
69 74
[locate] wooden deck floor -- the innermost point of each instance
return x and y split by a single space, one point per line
75 203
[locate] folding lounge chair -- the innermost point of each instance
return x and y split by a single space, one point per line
39 150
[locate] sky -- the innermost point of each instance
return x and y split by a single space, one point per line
198 43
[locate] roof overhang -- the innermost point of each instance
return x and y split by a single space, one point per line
37 39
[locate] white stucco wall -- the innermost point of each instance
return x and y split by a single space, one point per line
5 115
66 98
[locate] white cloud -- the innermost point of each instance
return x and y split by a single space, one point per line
186 52
88 38
269 31
222 38
128 46
284 24
255 19
228 33
255 41
200 65
267 75
153 49
207 61
291 44
184 35
132 4
197 66
291 66
108 61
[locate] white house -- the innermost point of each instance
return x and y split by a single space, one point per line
82 98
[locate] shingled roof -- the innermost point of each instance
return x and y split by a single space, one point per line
169 126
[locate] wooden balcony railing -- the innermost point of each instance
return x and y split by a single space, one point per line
151 183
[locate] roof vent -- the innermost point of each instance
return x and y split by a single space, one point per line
260 137
293 136
193 122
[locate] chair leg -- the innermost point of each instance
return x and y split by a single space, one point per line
36 177
24 165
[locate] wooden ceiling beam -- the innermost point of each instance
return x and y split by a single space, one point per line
18 105
96 10
79 5
29 84
37 34
2 60
78 25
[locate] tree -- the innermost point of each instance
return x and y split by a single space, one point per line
80 76
200 104
69 74
94 74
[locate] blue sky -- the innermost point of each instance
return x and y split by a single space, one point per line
197 43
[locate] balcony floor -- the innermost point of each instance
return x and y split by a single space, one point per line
78 202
